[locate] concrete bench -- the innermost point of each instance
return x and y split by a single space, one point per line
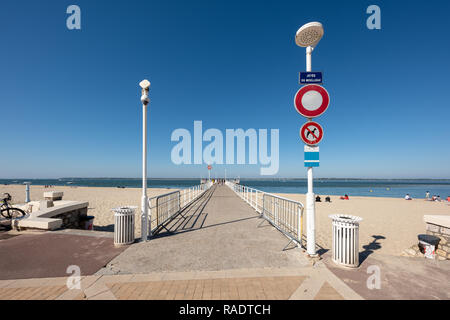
66 215
40 223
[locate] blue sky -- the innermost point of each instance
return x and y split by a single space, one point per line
69 99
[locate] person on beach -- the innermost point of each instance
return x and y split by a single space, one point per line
427 195
318 199
345 197
408 197
328 199
438 198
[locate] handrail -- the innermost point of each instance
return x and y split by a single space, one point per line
172 203
284 214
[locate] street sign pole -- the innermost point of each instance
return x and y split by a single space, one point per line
310 101
310 204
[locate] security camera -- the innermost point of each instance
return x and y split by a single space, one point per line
145 84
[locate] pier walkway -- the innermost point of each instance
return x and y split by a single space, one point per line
217 232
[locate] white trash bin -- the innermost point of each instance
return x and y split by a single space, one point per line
123 225
345 248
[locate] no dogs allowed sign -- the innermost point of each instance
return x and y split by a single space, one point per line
311 133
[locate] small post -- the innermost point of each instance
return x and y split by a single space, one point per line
27 191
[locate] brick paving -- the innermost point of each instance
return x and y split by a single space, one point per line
268 284
258 288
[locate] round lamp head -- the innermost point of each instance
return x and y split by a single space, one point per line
145 84
309 34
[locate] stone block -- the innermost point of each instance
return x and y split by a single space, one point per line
410 252
44 204
441 253
53 195
445 230
432 227
440 220
40 223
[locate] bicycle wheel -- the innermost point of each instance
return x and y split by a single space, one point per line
12 213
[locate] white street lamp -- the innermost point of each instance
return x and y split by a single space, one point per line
145 85
309 36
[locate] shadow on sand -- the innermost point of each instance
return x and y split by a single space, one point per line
108 228
370 248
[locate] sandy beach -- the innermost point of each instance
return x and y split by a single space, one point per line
397 220
101 200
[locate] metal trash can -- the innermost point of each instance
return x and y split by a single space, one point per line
428 244
345 248
123 225
87 222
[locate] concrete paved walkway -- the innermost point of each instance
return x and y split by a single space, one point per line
218 232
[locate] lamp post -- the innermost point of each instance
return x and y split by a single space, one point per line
145 85
309 36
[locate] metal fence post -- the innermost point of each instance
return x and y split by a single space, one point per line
299 225
149 218
264 204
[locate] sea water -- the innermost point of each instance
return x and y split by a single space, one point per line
394 188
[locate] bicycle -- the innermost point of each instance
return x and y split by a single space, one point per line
9 212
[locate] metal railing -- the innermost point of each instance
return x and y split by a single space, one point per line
252 196
284 214
166 206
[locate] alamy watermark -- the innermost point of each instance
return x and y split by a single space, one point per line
374 280
214 152
74 20
374 20
74 281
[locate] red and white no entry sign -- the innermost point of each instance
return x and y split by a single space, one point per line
311 100
311 133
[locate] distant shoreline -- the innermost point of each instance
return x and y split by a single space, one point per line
242 178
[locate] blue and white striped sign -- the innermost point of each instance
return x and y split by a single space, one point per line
311 156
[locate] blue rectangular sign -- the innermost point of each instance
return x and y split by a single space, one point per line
311 159
310 78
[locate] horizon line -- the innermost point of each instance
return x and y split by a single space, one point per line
241 178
